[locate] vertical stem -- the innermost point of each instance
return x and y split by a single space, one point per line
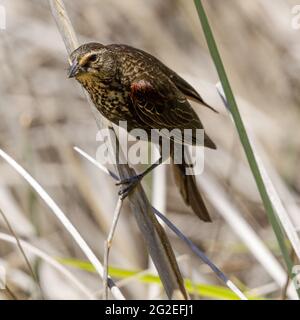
107 246
243 134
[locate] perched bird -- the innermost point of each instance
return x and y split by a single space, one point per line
128 84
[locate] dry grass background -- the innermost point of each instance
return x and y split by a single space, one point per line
43 115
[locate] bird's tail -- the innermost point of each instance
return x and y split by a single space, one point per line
188 187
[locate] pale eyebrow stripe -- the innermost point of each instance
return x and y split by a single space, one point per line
84 59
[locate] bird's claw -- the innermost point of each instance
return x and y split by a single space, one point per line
131 184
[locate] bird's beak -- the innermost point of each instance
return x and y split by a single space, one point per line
73 69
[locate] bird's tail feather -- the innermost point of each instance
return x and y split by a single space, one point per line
188 189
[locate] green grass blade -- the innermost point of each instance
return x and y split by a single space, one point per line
204 290
243 135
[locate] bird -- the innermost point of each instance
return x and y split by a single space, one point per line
129 84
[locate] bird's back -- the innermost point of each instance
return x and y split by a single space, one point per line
148 62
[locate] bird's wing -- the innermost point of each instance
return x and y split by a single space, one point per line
160 105
178 81
187 89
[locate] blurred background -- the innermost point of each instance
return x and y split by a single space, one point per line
44 115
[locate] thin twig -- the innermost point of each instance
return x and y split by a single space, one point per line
190 244
281 215
10 292
159 198
243 230
202 256
156 240
108 244
63 219
271 190
128 279
286 286
243 135
44 256
12 231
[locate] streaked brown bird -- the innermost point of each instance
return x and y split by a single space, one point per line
128 84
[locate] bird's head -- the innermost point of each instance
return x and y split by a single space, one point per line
92 61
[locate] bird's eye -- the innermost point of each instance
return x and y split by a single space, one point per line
93 58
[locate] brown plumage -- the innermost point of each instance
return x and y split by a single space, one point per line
128 84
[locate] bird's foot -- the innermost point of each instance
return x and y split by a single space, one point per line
130 183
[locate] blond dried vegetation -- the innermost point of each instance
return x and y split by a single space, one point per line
43 115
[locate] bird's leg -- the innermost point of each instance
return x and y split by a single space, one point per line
131 182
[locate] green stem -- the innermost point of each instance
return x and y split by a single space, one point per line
243 136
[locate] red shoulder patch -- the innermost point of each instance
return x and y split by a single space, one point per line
140 86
